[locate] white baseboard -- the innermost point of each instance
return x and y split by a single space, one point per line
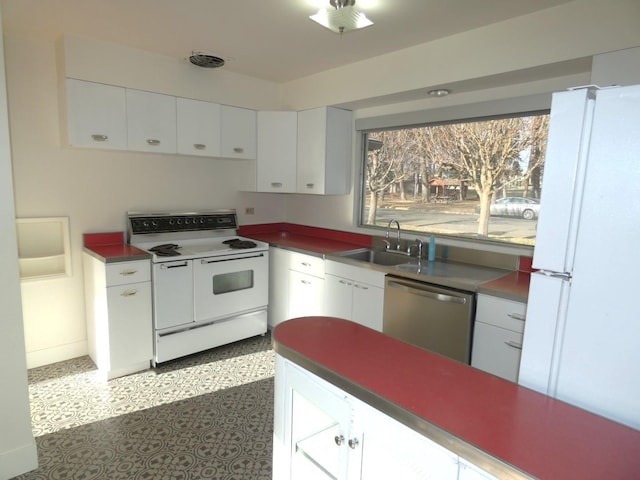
59 353
18 461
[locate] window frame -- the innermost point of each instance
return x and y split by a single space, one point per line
517 106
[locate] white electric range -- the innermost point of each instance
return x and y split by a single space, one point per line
210 286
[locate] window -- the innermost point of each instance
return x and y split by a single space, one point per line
474 179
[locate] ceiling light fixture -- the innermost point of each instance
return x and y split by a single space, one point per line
343 17
439 92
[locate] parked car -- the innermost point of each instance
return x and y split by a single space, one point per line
527 208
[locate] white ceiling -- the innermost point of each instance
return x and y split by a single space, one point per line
268 39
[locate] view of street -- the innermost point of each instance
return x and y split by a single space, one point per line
457 218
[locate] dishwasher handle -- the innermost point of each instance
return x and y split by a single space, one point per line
414 289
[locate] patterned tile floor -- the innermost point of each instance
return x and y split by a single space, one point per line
206 416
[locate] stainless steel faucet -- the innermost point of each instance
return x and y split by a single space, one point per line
420 245
389 228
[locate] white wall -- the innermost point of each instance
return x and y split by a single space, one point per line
17 446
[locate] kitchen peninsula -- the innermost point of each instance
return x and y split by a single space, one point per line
481 421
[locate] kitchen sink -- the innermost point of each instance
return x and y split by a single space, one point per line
379 257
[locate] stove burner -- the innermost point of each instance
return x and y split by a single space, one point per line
242 244
166 250
231 240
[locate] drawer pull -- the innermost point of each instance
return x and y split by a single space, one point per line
344 282
276 184
305 282
310 185
238 149
513 344
516 316
361 287
128 293
99 138
199 146
306 264
125 273
153 142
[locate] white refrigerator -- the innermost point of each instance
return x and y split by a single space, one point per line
582 332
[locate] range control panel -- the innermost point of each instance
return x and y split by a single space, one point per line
141 223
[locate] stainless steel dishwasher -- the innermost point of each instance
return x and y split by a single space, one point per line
429 316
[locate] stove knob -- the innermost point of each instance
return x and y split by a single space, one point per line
171 221
187 221
201 220
179 221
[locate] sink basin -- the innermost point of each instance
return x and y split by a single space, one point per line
378 257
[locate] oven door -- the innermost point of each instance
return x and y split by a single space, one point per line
231 284
172 293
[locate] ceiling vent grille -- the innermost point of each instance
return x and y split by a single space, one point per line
205 61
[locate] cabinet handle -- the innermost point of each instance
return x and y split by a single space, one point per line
310 185
199 146
238 149
128 293
305 264
516 316
305 282
276 184
353 443
361 287
153 142
164 266
338 439
513 344
124 273
344 282
99 138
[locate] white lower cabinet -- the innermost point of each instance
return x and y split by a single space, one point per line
119 319
497 336
306 285
321 432
354 293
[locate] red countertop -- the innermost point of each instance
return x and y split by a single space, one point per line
310 239
514 286
110 248
546 438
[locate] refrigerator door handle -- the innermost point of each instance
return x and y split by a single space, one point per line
560 275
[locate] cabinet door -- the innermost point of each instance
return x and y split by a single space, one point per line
151 121
496 350
312 131
173 299
324 151
238 132
305 295
277 143
278 286
130 332
96 115
468 471
198 127
338 295
368 305
392 450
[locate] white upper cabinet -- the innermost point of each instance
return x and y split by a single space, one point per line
277 147
198 126
96 115
151 121
238 132
324 151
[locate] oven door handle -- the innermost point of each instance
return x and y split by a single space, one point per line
233 259
175 265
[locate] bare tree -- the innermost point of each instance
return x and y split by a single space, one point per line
384 167
484 152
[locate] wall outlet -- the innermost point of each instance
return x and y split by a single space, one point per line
249 211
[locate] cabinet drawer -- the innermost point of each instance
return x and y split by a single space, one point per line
357 274
308 264
501 312
496 350
128 272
